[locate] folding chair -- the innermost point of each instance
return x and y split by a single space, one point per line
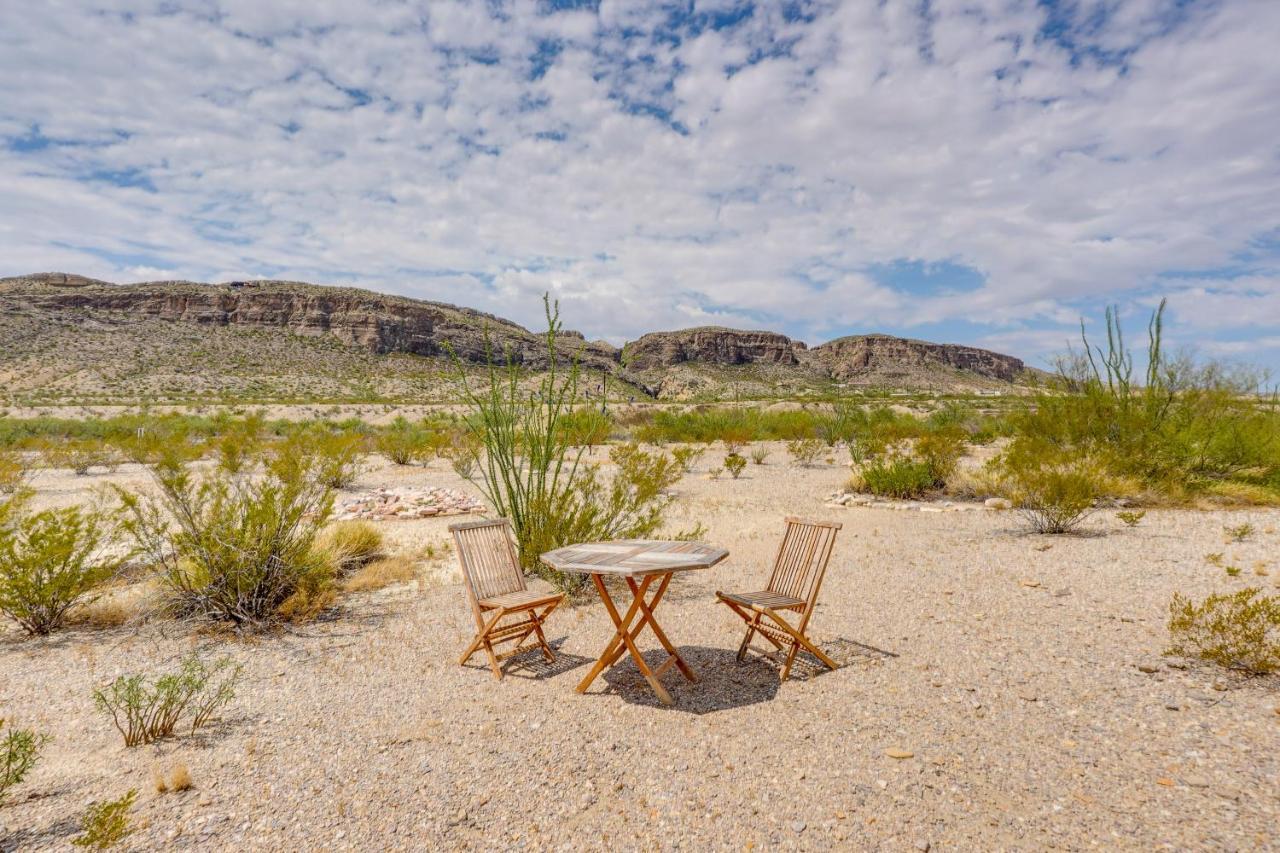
496 589
797 576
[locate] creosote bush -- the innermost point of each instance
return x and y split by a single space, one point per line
236 548
13 471
1054 494
145 710
50 561
805 451
462 447
19 752
106 824
687 456
734 464
80 455
406 443
1131 518
1239 631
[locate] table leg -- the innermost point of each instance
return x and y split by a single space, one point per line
647 618
624 635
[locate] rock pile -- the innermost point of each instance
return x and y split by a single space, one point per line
407 502
849 500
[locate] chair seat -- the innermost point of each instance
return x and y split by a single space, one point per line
763 598
519 600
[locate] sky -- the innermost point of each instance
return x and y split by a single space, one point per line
986 172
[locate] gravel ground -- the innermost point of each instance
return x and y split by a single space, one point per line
1019 679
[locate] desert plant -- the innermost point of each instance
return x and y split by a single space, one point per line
896 477
1131 518
351 545
234 548
146 710
382 573
531 472
1239 631
19 752
78 455
106 824
239 444
587 427
714 473
405 443
340 456
50 561
805 451
687 456
759 454
1233 571
463 448
1053 493
13 471
1239 532
734 464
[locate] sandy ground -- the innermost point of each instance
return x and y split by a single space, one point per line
1007 665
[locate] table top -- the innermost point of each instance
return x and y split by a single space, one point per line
633 557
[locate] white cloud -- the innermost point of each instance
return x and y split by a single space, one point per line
409 146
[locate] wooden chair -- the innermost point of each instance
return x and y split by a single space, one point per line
496 589
798 569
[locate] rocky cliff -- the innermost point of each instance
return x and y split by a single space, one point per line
69 334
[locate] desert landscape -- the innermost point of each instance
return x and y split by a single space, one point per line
1017 679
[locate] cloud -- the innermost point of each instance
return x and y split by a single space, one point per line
660 165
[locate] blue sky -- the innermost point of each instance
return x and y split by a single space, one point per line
978 171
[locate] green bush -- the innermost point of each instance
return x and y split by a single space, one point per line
80 455
1054 492
234 548
897 477
734 464
1239 631
805 451
239 444
13 471
106 824
1131 518
19 752
588 427
406 443
50 561
759 455
339 455
146 710
687 456
463 448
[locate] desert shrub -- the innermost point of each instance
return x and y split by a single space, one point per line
805 451
106 824
19 752
1238 532
735 435
533 475
145 710
80 455
1239 631
239 444
714 473
1182 429
231 547
50 561
351 544
895 476
759 455
705 424
1054 493
405 443
687 456
734 464
340 457
940 450
463 448
13 471
1131 518
588 427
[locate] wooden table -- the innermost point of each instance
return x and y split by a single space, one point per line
642 562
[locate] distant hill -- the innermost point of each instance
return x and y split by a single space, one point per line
67 336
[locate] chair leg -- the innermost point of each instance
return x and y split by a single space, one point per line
542 641
791 658
746 643
493 659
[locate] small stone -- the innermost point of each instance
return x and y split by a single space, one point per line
899 753
1172 706
1148 668
1062 593
923 845
1027 695
1030 584
1195 781
798 825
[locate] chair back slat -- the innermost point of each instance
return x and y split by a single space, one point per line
488 558
802 558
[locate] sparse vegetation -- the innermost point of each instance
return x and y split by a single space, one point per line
759 454
1054 495
405 443
1131 518
687 456
13 471
350 545
235 548
896 476
106 824
50 561
1238 532
735 464
382 573
463 448
1240 631
145 710
805 451
78 455
19 752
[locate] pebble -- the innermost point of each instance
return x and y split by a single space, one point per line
798 826
899 753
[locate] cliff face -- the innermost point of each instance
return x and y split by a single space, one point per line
374 322
710 345
50 317
848 358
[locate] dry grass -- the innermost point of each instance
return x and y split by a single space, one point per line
177 779
351 545
128 604
382 573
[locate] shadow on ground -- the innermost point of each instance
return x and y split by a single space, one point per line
724 681
531 664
